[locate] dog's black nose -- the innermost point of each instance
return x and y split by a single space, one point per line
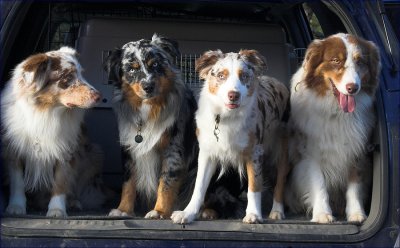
233 96
148 88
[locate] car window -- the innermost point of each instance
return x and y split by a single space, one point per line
393 13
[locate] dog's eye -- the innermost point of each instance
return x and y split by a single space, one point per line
154 65
335 61
69 78
221 76
244 76
360 62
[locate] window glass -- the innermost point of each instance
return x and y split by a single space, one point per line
393 13
315 26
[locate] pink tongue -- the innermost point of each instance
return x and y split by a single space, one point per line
347 103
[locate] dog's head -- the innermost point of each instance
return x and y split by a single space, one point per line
55 79
343 64
231 76
144 69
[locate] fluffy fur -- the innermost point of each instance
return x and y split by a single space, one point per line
239 125
332 119
42 111
152 101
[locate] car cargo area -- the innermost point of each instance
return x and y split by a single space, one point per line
95 29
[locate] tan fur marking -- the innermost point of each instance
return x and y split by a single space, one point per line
135 65
78 94
283 169
212 87
131 95
150 62
61 184
215 81
137 89
46 100
255 182
128 196
164 86
224 73
166 196
197 132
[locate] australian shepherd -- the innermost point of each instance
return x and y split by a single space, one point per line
332 116
44 146
239 125
155 111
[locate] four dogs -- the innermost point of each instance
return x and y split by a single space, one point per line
316 161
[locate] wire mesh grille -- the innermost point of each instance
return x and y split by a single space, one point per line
300 54
186 63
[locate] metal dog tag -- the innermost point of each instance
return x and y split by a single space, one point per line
138 138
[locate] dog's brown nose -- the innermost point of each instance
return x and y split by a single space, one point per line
233 96
351 88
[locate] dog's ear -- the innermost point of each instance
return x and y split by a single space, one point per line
374 65
207 61
168 45
255 58
68 50
37 69
312 59
112 65
313 56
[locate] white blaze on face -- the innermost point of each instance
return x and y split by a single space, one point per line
233 83
350 76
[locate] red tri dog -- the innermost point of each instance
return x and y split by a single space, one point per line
332 117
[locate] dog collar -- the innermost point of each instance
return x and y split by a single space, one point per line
139 137
216 129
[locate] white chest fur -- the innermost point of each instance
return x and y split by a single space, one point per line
334 139
232 133
40 137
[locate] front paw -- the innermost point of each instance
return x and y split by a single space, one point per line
56 213
251 218
323 218
16 209
182 217
154 214
357 217
276 215
209 214
118 213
